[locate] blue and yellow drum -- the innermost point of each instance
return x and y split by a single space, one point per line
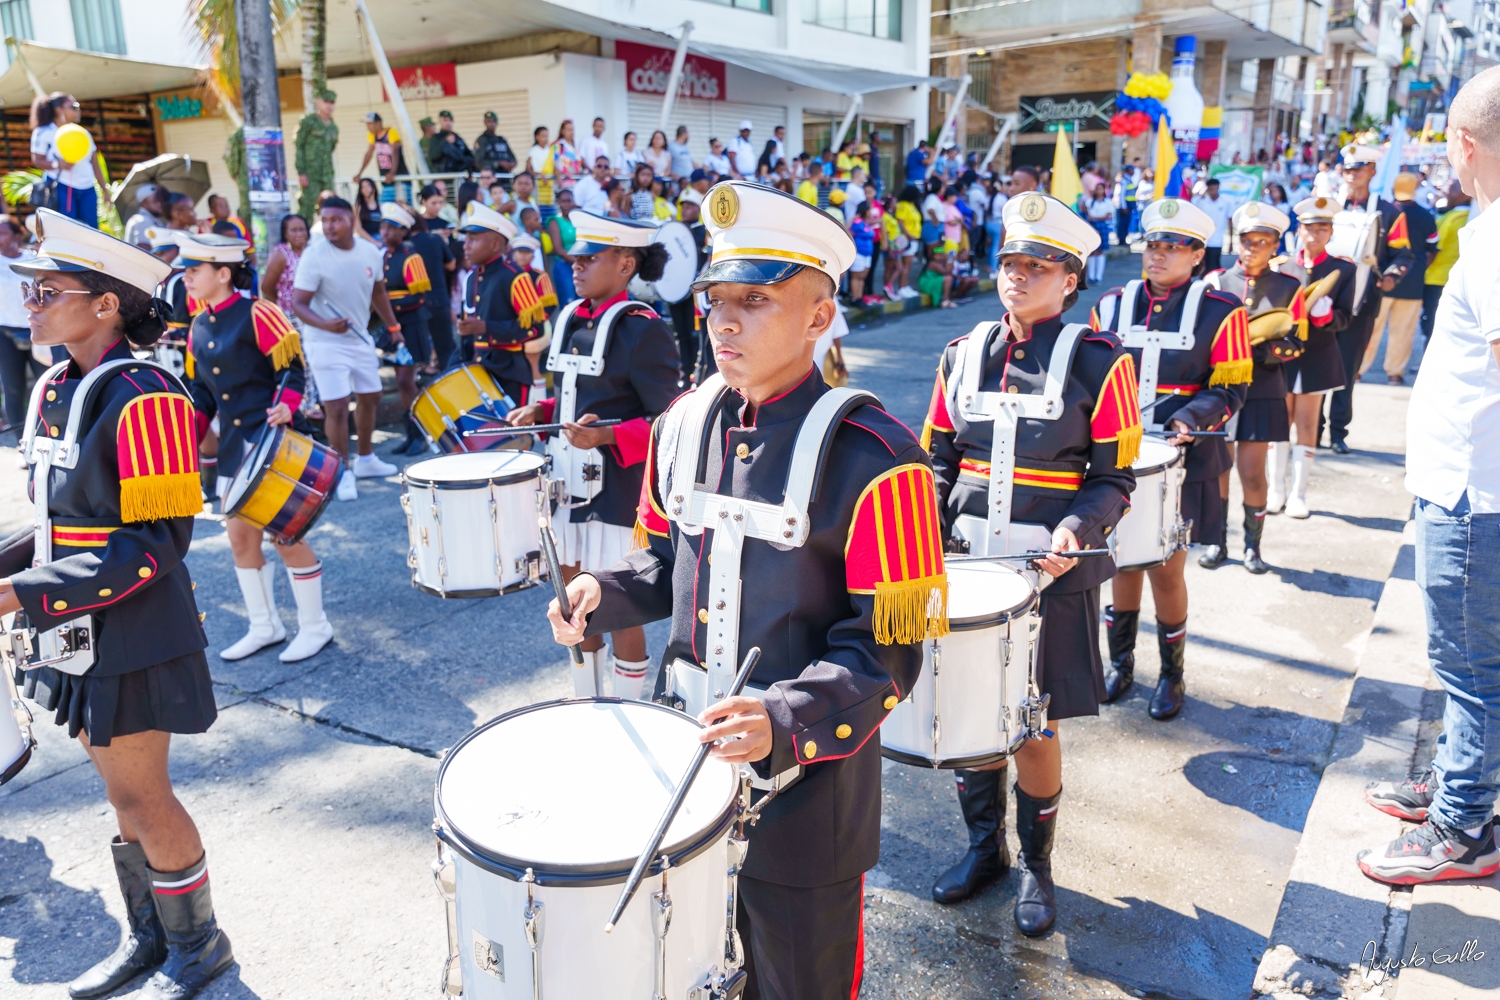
284 484
465 399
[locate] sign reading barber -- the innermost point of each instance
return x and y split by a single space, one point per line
648 68
1087 112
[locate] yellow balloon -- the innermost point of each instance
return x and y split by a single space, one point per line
73 143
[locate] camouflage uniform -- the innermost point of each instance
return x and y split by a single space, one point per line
316 141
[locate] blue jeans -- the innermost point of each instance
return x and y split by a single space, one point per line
992 228
1458 569
79 203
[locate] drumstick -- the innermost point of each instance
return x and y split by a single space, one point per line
534 428
554 570
1202 434
275 400
1161 399
1034 554
638 872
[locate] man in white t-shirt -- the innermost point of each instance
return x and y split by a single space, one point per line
778 137
742 154
1218 209
591 147
588 193
338 280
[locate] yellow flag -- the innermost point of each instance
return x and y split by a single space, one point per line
1166 158
1066 184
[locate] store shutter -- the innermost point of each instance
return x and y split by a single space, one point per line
704 119
205 139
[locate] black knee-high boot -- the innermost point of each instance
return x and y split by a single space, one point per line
1217 554
1255 525
1036 900
981 795
1120 627
1171 690
197 950
145 944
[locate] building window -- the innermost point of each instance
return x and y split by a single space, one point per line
881 18
15 18
764 6
979 82
97 26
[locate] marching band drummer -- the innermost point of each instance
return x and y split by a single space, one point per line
184 309
406 285
838 601
1320 369
502 307
1196 389
1270 296
637 383
238 351
1072 476
120 519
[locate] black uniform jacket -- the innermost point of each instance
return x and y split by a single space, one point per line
1321 332
1209 381
406 279
1074 471
122 521
506 298
1393 253
237 354
639 381
839 620
1263 293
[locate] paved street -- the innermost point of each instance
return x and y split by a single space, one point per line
314 789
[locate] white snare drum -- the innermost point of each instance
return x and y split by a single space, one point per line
16 742
543 812
472 522
975 701
1152 530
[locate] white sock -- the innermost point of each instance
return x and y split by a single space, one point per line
630 677
1475 831
1277 454
307 588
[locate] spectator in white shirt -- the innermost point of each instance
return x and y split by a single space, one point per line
588 193
717 161
742 152
591 147
1453 468
779 138
682 156
1220 211
854 194
629 157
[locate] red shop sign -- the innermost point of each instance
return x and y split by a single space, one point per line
420 83
647 69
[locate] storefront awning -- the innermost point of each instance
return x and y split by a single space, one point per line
821 76
86 75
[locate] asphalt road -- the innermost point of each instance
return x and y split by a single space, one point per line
314 789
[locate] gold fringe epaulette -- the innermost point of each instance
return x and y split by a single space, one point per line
287 349
1128 446
909 611
1233 372
151 498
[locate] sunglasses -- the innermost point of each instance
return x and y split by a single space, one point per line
43 295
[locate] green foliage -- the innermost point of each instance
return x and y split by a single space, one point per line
16 186
213 21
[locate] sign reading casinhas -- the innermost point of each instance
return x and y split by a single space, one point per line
1091 111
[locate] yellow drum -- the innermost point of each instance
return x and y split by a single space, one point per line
462 400
284 484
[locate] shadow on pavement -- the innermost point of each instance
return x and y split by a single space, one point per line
1279 792
59 931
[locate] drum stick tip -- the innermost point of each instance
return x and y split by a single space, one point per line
609 928
541 522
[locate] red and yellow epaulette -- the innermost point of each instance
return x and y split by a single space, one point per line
189 364
895 551
1300 317
195 306
274 334
547 295
1230 356
1117 415
650 519
526 302
414 274
937 411
1399 238
158 458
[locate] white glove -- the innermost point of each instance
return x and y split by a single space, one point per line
1321 308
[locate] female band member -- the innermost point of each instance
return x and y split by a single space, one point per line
110 563
1072 478
639 379
238 350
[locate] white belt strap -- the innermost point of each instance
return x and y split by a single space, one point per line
1152 342
785 525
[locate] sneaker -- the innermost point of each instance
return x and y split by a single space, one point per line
908 292
370 467
348 487
1433 852
890 292
1406 800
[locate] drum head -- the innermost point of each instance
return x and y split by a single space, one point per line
985 593
676 280
476 467
250 470
1155 455
578 786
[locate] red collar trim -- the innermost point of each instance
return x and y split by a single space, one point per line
233 298
757 410
585 312
1303 255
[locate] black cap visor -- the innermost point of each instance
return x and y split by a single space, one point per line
1031 248
479 229
747 271
584 248
40 263
1262 228
1177 239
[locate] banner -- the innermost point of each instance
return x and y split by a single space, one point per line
1239 183
424 83
648 68
265 160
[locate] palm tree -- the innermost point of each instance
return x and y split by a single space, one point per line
314 49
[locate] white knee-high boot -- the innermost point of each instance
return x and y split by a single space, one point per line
1277 454
588 679
314 631
258 586
1302 462
630 678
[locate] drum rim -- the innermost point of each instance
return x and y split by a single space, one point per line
508 479
526 584
949 763
602 873
1179 459
1002 617
253 483
19 764
260 475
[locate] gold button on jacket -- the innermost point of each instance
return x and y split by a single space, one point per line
890 702
742 450
843 732
703 615
810 750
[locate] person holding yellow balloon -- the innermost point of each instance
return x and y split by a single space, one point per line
64 151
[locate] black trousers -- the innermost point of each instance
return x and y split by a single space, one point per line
1352 342
14 360
440 326
802 944
687 337
1212 258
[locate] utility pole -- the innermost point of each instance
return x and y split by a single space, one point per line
265 150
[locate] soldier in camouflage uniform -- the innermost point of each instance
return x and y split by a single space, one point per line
317 137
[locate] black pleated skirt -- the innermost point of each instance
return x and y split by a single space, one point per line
172 697
1069 666
1319 369
1263 420
1202 505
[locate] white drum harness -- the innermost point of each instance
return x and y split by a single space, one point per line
581 470
1153 342
68 647
1006 410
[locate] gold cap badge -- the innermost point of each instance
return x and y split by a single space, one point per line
723 206
1033 207
1168 208
1252 209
